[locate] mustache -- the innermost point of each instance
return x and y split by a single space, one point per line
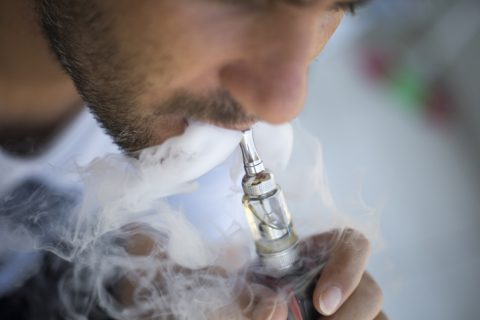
217 107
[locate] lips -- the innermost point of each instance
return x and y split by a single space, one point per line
240 126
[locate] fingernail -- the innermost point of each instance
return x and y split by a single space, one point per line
330 299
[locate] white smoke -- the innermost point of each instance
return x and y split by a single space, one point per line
137 257
128 236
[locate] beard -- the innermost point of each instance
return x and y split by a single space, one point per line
114 92
112 81
133 131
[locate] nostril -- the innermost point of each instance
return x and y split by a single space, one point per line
273 92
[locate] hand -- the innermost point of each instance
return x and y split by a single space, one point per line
344 291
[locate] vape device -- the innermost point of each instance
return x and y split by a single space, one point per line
276 242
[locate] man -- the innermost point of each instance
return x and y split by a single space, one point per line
146 67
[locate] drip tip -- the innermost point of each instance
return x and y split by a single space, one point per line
251 160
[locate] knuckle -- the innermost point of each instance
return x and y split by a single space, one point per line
381 316
373 290
357 240
362 241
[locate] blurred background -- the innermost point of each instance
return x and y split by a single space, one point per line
395 101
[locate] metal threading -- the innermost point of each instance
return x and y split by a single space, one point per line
259 185
280 263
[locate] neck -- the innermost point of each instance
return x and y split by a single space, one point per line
34 89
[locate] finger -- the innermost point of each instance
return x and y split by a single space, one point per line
271 308
342 272
364 304
261 303
381 316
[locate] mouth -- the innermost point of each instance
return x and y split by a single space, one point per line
239 126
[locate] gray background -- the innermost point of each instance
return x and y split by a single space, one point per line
422 175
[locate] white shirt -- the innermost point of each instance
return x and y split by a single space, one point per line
78 144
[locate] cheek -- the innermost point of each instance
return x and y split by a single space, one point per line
195 40
328 23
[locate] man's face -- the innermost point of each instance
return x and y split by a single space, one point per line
146 67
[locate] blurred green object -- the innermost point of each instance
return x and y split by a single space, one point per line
410 88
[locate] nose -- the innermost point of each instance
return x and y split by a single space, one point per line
270 79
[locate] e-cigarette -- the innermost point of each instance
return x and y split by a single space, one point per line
276 241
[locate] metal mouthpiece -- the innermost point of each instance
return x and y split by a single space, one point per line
251 161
